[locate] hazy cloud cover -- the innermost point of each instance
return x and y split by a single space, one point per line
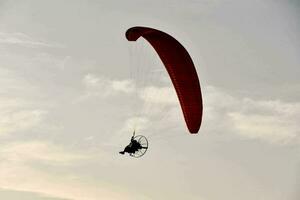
23 39
73 89
272 121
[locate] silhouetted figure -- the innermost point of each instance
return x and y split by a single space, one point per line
132 147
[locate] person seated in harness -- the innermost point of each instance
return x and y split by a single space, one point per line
132 147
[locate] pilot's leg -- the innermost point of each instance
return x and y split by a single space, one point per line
126 150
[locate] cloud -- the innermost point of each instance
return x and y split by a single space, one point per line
91 80
99 86
159 95
20 109
139 123
20 171
22 152
16 120
125 86
272 121
59 185
25 40
13 195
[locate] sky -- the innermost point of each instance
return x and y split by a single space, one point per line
73 89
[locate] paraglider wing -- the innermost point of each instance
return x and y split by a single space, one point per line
181 70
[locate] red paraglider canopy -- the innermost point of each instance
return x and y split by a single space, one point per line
181 70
